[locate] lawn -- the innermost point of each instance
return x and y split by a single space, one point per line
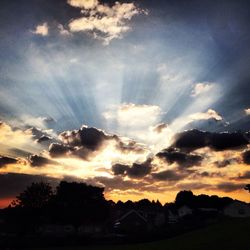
228 235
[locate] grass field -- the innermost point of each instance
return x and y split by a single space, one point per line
228 235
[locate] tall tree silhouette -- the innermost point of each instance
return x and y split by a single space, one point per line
184 198
36 196
78 203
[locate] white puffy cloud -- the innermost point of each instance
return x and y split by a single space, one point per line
141 122
247 111
210 114
201 88
41 29
104 22
135 115
85 4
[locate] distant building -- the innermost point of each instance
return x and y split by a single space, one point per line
56 230
131 222
184 211
237 209
90 229
172 216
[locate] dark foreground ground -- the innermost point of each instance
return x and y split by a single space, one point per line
227 235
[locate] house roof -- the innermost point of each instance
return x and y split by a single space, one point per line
130 212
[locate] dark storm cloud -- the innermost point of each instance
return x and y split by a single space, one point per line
90 138
244 176
226 162
246 157
39 161
172 155
81 143
229 187
137 170
119 169
12 184
168 175
59 150
36 132
44 138
140 170
4 160
195 139
40 135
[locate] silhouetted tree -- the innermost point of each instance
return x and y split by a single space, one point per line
184 198
247 187
78 202
35 196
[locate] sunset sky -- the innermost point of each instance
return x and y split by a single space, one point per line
145 98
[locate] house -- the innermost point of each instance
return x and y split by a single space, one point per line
184 211
131 222
56 230
237 209
90 229
159 219
172 216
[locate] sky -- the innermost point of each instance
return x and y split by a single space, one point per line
145 98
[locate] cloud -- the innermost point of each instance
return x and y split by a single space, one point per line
160 127
38 122
226 162
59 150
116 183
210 114
137 170
88 137
133 115
229 186
44 138
137 121
63 31
246 157
4 160
193 186
12 139
201 88
141 122
83 4
168 175
39 161
244 176
103 21
247 111
172 155
126 145
40 135
41 29
194 139
119 169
